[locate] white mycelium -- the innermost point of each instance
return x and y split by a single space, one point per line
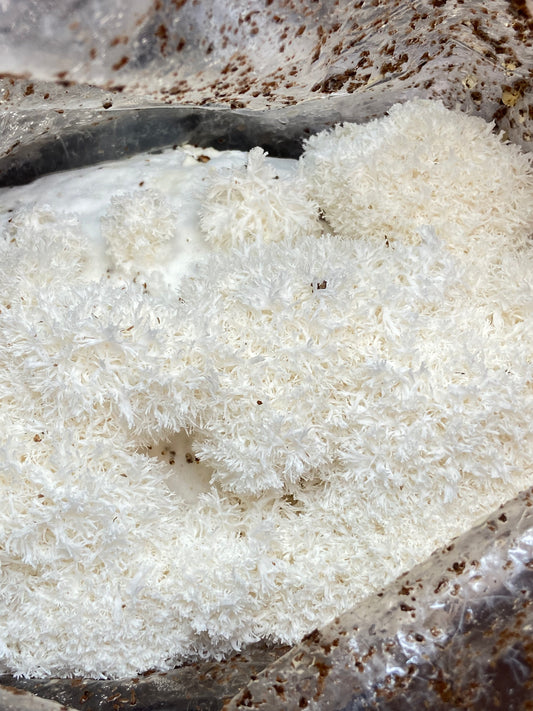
232 404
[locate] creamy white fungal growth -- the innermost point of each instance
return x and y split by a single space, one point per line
415 167
139 227
255 202
350 357
194 462
36 236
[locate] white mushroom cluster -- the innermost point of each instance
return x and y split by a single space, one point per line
254 202
348 393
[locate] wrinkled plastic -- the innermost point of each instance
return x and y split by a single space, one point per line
453 632
282 69
202 685
82 82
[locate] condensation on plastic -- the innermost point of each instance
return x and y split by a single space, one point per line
86 81
166 69
200 685
452 633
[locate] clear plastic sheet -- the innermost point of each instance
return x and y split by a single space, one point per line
82 82
281 68
453 632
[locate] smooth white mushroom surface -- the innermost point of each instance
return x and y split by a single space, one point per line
238 394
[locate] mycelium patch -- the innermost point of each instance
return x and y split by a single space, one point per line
215 437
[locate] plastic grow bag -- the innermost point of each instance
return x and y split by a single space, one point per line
86 82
